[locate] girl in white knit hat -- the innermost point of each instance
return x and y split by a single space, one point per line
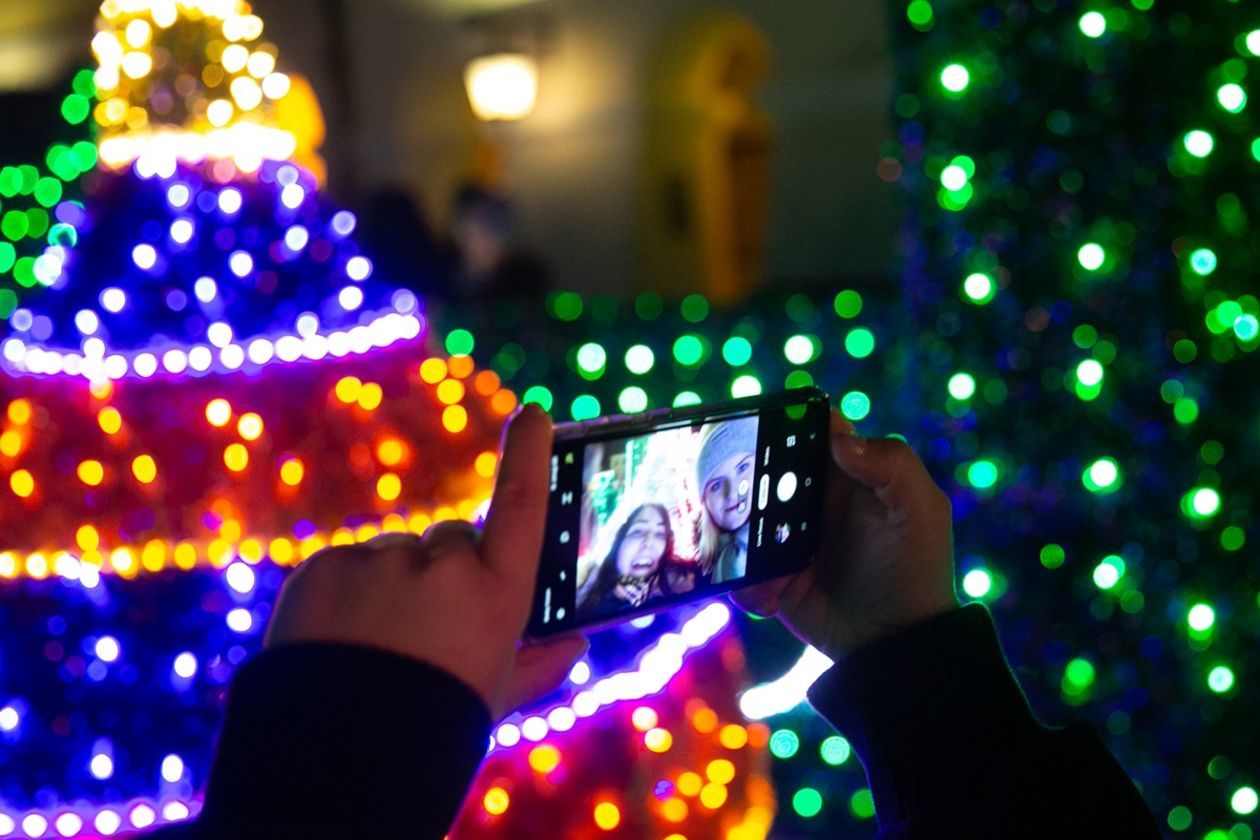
724 474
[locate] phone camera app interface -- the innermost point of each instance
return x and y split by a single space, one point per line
647 519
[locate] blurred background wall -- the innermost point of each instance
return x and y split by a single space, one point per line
389 74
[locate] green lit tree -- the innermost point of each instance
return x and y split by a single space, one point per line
40 203
1081 265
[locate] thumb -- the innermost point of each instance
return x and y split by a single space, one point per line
539 668
886 465
761 599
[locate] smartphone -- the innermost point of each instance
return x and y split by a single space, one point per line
653 510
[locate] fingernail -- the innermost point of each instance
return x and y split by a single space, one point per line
532 408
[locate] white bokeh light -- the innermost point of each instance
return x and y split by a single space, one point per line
172 768
240 620
240 577
350 298
185 665
108 649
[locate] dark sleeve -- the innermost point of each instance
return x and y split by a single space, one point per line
325 740
951 748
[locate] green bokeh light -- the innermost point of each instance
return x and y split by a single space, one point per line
37 222
801 349
955 200
24 271
860 343
1091 256
1246 327
919 13
961 386
745 386
75 108
1198 143
84 154
1201 503
953 177
591 358
862 804
1203 261
1221 679
648 306
800 308
694 308
14 225
1179 818
1201 617
1245 800
688 350
1089 372
1186 411
1052 555
835 750
982 474
977 583
84 83
47 191
855 405
798 379
510 358
1231 97
567 306
737 351
979 287
807 802
63 234
1078 674
848 304
784 743
1093 24
686 398
1102 476
1109 571
540 395
632 399
955 78
584 407
460 342
640 359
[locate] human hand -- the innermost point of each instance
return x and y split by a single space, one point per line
885 554
446 598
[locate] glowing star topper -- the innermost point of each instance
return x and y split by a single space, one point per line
187 80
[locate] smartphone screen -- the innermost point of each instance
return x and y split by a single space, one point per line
679 505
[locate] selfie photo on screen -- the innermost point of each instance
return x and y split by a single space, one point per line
663 514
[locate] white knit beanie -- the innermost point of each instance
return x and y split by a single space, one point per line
729 438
